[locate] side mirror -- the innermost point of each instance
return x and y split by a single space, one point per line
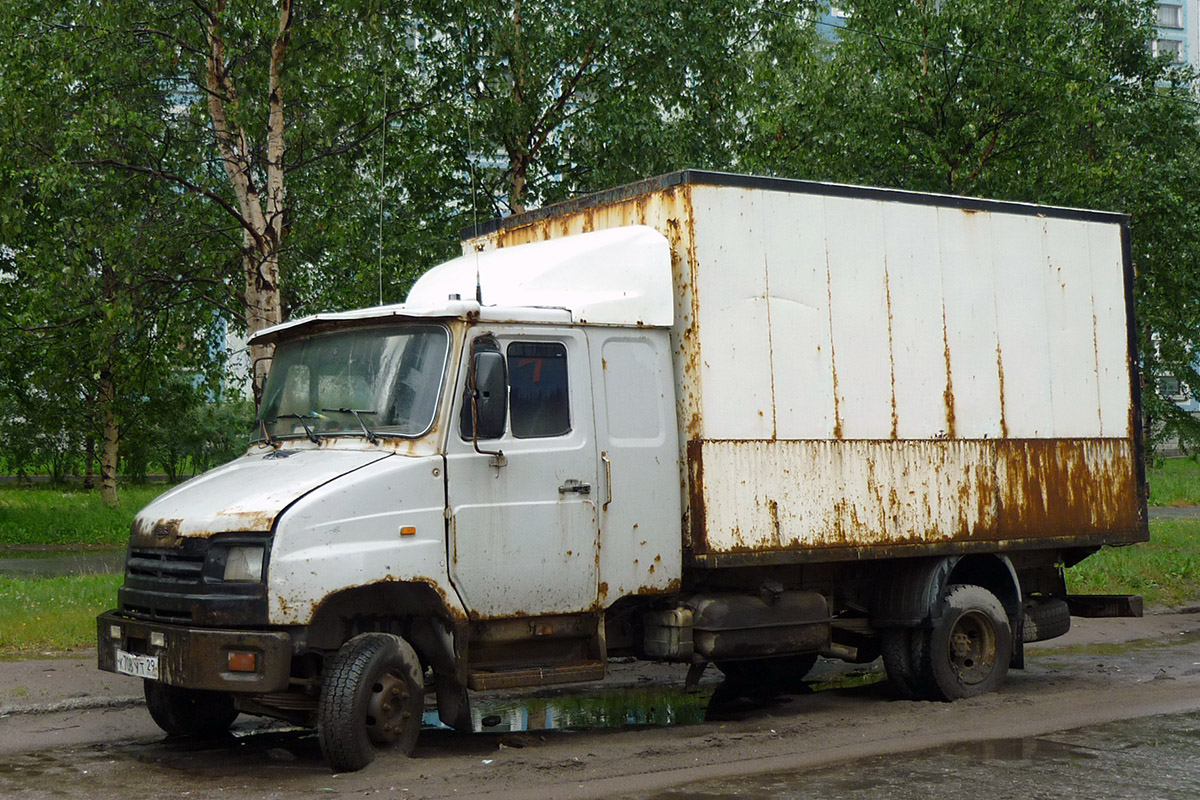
491 393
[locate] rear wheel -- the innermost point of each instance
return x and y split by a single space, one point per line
777 671
188 712
372 697
1045 618
970 646
903 650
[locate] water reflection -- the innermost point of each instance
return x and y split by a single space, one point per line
599 706
1154 758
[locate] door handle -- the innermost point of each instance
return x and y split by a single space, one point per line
573 485
607 479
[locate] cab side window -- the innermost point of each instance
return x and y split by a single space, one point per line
539 404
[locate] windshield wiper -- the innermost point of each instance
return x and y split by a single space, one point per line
312 437
371 437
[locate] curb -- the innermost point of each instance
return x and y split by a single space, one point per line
73 704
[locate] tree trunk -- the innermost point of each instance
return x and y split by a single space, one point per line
108 452
108 396
262 307
262 227
516 198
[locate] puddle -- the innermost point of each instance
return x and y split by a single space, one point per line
621 707
1154 757
616 708
48 564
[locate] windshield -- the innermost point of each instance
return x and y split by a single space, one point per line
370 382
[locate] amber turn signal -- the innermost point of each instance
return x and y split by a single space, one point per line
242 662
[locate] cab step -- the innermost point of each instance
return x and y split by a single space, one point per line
481 680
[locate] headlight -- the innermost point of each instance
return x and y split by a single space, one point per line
244 564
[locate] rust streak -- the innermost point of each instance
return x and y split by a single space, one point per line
837 414
887 289
1000 374
948 394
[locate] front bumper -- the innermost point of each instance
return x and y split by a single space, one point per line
197 658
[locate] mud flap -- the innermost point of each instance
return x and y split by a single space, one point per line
1018 644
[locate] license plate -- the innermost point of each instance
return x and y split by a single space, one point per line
137 666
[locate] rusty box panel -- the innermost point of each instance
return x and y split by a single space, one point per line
805 496
864 368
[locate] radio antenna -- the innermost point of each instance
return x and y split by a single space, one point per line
471 165
382 178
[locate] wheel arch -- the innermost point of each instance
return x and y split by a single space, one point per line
912 593
416 611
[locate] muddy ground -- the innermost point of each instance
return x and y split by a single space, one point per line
98 747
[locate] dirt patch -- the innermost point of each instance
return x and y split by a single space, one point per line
1106 670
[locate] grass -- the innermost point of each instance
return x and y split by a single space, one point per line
1165 570
1175 482
61 516
46 616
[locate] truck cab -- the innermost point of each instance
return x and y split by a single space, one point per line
470 485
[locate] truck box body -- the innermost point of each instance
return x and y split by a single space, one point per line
873 373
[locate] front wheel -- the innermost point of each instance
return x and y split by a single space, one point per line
188 712
970 646
372 697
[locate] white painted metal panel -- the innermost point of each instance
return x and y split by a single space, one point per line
732 317
858 318
969 311
1024 337
1112 343
247 493
801 357
1071 327
519 545
346 534
914 285
638 491
618 277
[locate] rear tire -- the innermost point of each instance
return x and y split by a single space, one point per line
372 697
188 712
970 645
903 650
777 671
1045 618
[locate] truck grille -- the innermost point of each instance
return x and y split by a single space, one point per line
165 564
185 584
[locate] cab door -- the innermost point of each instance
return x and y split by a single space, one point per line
523 526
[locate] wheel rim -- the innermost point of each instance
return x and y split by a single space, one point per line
973 647
387 710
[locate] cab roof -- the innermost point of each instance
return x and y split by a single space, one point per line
620 276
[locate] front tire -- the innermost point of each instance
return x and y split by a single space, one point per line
970 646
188 712
372 697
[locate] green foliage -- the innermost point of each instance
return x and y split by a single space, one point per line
1174 482
53 615
584 95
404 123
1048 101
1165 570
47 515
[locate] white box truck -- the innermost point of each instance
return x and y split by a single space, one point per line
704 418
